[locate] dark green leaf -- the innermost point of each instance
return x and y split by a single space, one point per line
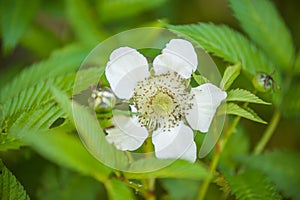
291 105
118 190
15 18
234 109
262 22
230 74
281 167
175 189
65 150
227 44
244 96
10 187
167 169
252 185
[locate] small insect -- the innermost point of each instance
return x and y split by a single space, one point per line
264 82
102 100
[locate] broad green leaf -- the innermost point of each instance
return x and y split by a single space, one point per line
291 105
65 150
175 191
84 21
262 22
10 187
90 132
167 169
230 74
252 185
282 167
15 18
118 9
117 190
62 61
244 96
66 184
228 44
234 109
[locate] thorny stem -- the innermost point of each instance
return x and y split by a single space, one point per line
268 133
219 148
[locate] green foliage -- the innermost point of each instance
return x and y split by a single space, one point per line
282 167
297 64
246 112
10 187
292 97
66 150
167 169
60 183
262 22
230 74
200 79
175 191
15 18
84 21
118 190
91 132
252 185
244 96
228 44
118 9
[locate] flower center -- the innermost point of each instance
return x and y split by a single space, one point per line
162 101
162 104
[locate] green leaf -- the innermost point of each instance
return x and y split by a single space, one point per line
65 150
297 64
65 184
10 187
15 18
167 169
118 9
252 185
234 109
244 96
200 79
174 188
84 21
282 167
291 105
90 132
227 44
262 22
62 61
118 190
230 74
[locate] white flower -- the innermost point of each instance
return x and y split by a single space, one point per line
164 105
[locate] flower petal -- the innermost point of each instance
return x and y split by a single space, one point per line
176 143
179 56
125 68
205 103
127 133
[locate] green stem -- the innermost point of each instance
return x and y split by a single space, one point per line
218 150
268 133
148 148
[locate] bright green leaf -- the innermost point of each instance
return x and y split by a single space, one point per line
200 79
244 96
281 167
90 132
234 109
167 169
230 74
10 187
262 22
15 18
227 44
252 185
65 150
118 190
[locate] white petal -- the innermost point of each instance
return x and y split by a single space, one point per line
205 103
176 143
125 68
179 56
127 133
